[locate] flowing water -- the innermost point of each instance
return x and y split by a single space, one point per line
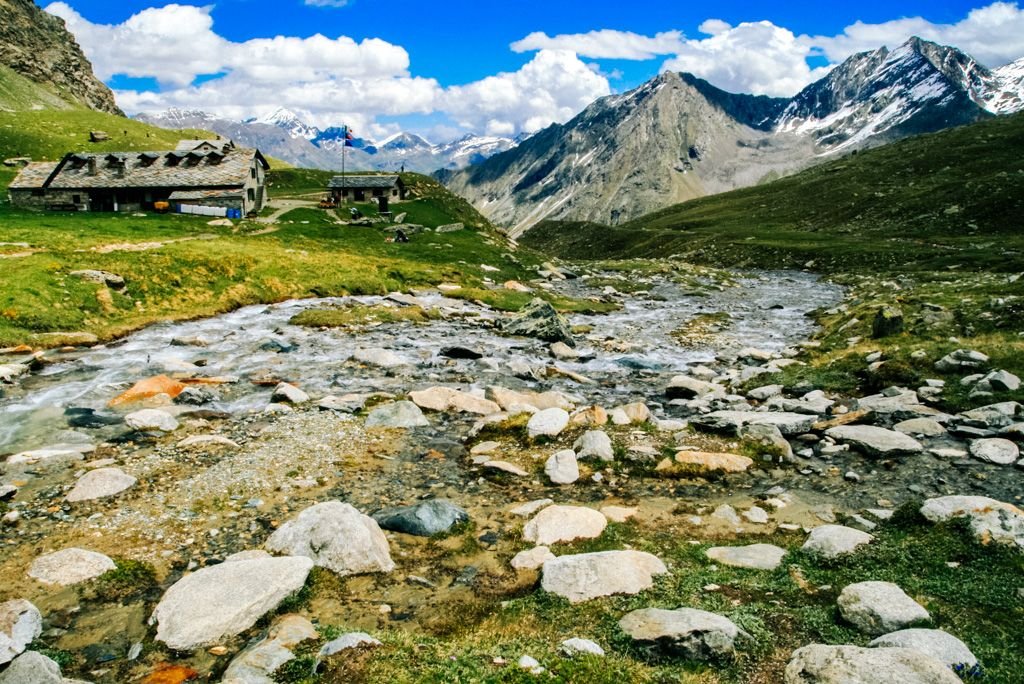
767 311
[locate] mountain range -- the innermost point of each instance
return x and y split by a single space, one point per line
678 137
285 135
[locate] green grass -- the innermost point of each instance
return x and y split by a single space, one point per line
361 315
953 199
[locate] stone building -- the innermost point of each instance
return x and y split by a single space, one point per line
211 174
383 189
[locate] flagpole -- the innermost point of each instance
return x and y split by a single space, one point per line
344 145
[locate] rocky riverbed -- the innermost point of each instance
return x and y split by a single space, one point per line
465 456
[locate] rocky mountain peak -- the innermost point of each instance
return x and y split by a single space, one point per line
38 46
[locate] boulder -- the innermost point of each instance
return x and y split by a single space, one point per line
992 417
539 319
697 634
730 422
150 387
32 668
547 423
220 601
768 441
685 387
588 576
9 372
148 420
259 661
821 664
888 321
875 441
531 559
337 537
961 361
397 415
879 607
286 393
562 467
754 556
995 450
20 624
635 413
925 427
703 463
557 524
381 358
448 399
571 648
424 519
100 484
594 444
505 467
507 399
1003 381
936 643
52 453
990 520
70 566
346 642
831 541
111 280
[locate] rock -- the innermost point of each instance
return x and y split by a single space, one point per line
516 286
595 444
703 463
768 440
194 395
1003 381
382 358
424 519
70 566
32 668
547 423
991 417
464 353
591 416
539 319
337 537
530 507
349 403
996 450
875 441
813 403
530 664
961 360
574 647
685 387
507 399
532 559
54 452
754 556
556 524
879 607
925 427
9 372
888 321
726 513
100 484
7 492
397 415
697 634
207 441
588 576
111 280
448 399
562 468
20 624
220 601
730 422
151 420
258 662
821 664
936 643
505 467
150 387
990 520
563 352
631 414
831 541
346 642
766 392
286 393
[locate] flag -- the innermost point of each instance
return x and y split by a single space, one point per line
349 138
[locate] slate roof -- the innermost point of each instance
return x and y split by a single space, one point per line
33 176
189 145
363 182
187 195
159 169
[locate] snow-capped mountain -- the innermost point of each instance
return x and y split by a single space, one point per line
678 137
286 136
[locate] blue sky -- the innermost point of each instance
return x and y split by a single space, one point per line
459 66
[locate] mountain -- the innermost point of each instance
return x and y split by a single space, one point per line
678 137
286 136
37 46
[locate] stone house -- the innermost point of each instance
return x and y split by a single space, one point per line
211 174
384 189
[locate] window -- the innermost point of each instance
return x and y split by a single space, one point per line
39 192
252 195
252 172
76 199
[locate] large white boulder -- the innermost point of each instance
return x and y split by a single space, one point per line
100 484
595 444
753 556
556 524
875 441
940 645
397 415
990 520
70 566
32 668
151 420
821 664
562 467
547 423
830 541
448 399
337 537
587 576
697 634
224 600
879 607
20 624
258 662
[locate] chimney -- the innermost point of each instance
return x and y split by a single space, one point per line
92 166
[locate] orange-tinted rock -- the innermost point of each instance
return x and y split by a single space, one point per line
150 387
167 673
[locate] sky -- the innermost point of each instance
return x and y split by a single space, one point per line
451 67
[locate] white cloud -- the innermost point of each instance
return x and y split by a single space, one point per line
605 44
553 87
994 35
753 57
326 3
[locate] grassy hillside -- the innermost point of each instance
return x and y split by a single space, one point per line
954 198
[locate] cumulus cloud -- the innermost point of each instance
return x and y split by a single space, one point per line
553 87
605 44
994 35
